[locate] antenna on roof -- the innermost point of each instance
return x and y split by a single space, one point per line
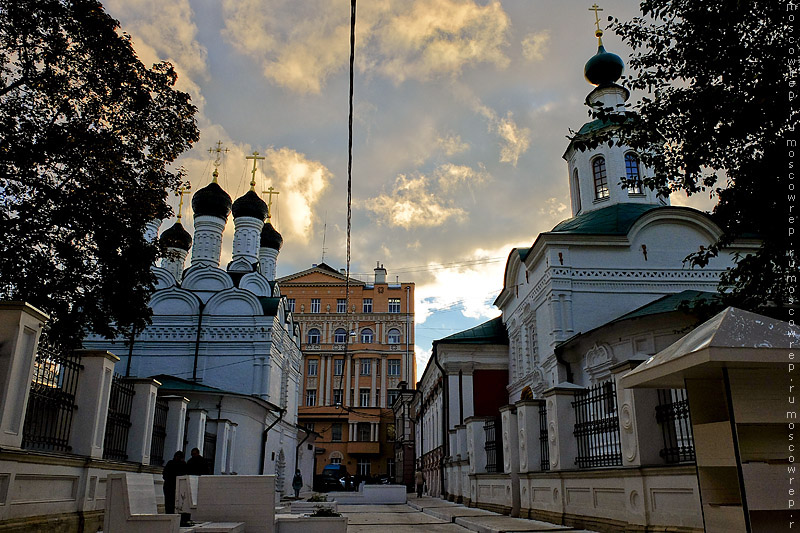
324 232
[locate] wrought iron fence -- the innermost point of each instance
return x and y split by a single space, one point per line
672 413
493 445
118 421
159 432
544 444
597 426
51 403
210 450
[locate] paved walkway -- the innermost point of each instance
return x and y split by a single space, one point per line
439 516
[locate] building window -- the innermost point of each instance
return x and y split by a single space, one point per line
313 365
394 367
311 397
337 396
392 397
363 467
364 432
290 304
632 174
336 432
367 305
394 305
576 192
363 397
366 367
338 367
341 305
315 305
340 336
600 178
335 458
367 336
313 336
394 336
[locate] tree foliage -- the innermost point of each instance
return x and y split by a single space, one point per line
86 136
714 119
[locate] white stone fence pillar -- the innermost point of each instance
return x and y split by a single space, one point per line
176 424
639 431
20 327
529 428
196 430
561 425
143 409
509 422
476 443
91 401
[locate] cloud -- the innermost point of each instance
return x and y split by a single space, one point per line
515 140
451 144
413 204
423 39
450 176
553 207
535 45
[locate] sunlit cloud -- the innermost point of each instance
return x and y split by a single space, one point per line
553 207
451 144
515 140
413 203
419 40
535 45
452 176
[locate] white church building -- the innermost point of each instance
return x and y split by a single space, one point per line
223 345
585 303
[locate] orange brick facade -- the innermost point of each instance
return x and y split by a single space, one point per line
353 364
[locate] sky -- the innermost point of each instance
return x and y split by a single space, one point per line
461 114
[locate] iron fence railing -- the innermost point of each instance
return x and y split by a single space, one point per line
210 450
51 403
597 426
118 421
544 444
159 432
493 445
672 413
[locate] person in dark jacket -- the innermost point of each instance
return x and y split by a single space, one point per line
297 483
174 468
197 464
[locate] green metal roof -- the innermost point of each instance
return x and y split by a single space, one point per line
269 305
177 384
615 219
491 332
523 252
671 302
593 126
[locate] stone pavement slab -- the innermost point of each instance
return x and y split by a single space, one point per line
386 519
502 524
411 528
399 508
449 514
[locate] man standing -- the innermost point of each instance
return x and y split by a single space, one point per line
197 464
419 479
174 468
297 483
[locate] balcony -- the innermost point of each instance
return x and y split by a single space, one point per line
364 447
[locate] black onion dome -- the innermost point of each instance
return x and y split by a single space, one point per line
603 68
270 238
250 205
211 200
176 237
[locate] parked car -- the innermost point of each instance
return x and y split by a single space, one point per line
335 478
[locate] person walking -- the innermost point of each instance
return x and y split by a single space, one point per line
419 479
197 464
174 468
297 483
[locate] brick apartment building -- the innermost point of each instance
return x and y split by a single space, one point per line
353 364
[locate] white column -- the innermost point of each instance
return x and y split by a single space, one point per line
196 429
231 448
246 239
268 259
207 241
508 413
91 398
20 327
476 442
374 367
174 262
555 314
347 381
143 409
561 427
328 372
383 380
151 230
176 423
221 457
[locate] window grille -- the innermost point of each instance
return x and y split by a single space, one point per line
210 449
632 174
672 413
494 445
544 442
600 178
597 426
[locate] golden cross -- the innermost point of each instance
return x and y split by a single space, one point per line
270 191
180 192
255 157
596 8
219 151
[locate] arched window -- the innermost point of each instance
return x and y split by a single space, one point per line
367 336
600 179
313 336
576 192
339 336
394 336
632 174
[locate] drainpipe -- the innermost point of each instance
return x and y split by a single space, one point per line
261 464
197 341
408 331
445 413
130 354
560 360
297 448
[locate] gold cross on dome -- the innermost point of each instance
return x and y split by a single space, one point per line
596 8
219 151
183 189
270 191
255 157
